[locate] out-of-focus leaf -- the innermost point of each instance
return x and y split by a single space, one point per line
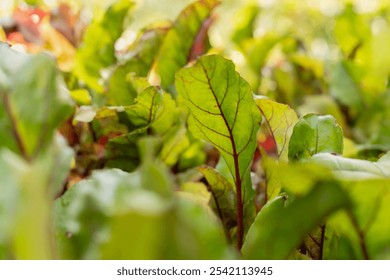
122 151
315 134
343 87
65 21
117 215
97 51
278 230
309 63
11 168
244 23
138 234
25 215
196 192
32 106
154 174
82 214
347 168
294 178
258 49
175 141
58 45
273 184
280 119
193 156
350 29
178 42
2 35
362 233
81 96
137 61
196 234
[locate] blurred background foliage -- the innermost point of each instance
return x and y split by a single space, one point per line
127 183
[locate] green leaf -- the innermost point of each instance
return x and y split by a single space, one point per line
32 106
245 23
315 134
257 49
343 87
222 110
175 141
138 60
122 151
178 43
280 120
279 229
26 195
93 56
145 109
136 216
223 200
362 232
353 169
138 234
87 207
196 234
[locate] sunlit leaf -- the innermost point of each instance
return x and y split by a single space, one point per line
93 56
244 23
280 120
136 61
223 111
347 168
178 42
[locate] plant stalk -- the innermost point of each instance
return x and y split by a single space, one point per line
240 213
